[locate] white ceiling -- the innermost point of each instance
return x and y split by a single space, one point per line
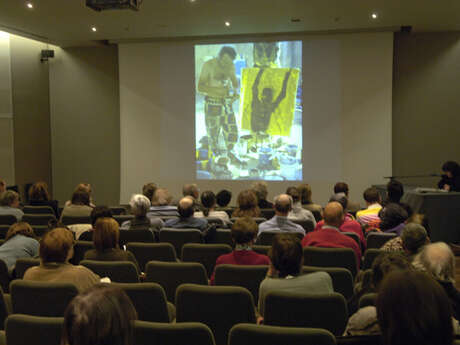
69 22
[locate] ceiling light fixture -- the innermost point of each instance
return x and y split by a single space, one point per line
93 29
227 23
374 15
29 5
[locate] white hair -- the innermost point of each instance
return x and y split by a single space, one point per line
140 204
438 259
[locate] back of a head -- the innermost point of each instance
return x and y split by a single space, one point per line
371 195
244 230
414 237
286 254
438 260
102 315
190 189
186 207
149 189
106 234
2 186
294 193
161 197
85 187
412 308
452 167
395 191
223 197
385 263
100 212
341 187
208 199
341 198
246 200
21 228
305 193
55 245
392 215
81 197
139 204
283 204
8 198
39 191
333 214
260 189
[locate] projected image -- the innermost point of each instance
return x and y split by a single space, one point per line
248 111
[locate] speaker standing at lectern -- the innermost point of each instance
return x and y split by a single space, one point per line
451 177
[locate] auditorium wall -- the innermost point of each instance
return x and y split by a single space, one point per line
85 121
426 103
32 136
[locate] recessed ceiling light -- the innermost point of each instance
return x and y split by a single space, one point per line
374 15
227 23
192 1
29 5
93 29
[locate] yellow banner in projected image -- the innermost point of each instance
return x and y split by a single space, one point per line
281 118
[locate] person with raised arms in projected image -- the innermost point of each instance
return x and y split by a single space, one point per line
219 84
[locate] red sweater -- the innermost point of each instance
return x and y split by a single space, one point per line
331 238
348 225
240 257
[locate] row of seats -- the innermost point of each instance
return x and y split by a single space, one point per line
25 329
219 307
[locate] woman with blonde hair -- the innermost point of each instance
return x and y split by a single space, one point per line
105 238
247 205
20 242
39 196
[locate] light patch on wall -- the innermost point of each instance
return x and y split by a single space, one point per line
4 35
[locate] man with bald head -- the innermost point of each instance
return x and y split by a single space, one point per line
280 222
329 235
186 208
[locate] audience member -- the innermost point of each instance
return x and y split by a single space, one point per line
284 274
348 224
208 202
298 212
413 238
438 260
56 249
85 187
96 213
79 206
342 187
395 244
364 320
395 191
260 190
106 238
2 186
244 233
9 204
39 196
392 218
20 242
413 309
140 205
161 205
305 197
192 190
330 235
247 205
280 221
372 198
223 198
148 190
102 315
186 218
451 177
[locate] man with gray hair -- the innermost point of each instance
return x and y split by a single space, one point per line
140 205
161 204
280 222
413 238
9 204
261 191
437 259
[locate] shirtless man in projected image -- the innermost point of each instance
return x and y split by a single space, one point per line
219 84
262 109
